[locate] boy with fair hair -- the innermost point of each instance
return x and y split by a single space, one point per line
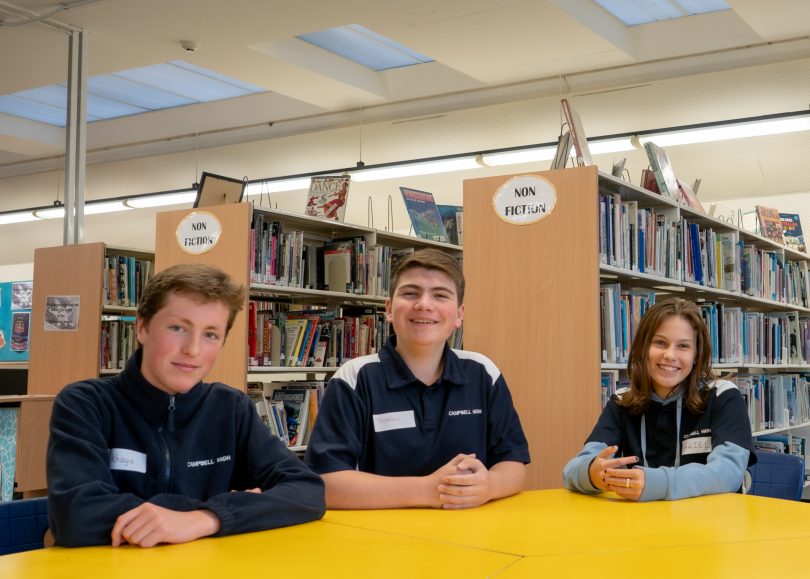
156 455
419 424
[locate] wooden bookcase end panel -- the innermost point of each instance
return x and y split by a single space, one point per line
532 306
59 357
230 254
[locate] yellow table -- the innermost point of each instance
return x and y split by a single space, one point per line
313 550
551 533
562 522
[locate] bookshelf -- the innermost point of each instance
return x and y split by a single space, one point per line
235 252
555 270
58 358
523 311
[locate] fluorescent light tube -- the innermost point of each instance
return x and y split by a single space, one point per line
105 207
50 213
411 169
277 186
729 131
89 209
610 146
162 200
516 157
18 217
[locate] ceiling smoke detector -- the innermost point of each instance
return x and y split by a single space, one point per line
189 45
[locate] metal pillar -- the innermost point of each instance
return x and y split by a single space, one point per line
76 145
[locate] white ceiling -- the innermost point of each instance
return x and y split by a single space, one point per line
485 51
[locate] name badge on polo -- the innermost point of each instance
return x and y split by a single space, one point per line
125 459
394 421
699 445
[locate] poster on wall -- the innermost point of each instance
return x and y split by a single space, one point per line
21 292
20 324
62 313
15 320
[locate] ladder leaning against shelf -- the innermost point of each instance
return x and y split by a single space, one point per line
317 288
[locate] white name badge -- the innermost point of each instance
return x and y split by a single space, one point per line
700 445
394 421
124 459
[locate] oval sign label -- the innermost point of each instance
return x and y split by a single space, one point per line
524 199
198 232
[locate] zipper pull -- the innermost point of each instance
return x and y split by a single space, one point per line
171 413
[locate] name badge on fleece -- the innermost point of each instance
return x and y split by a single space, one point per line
700 445
124 459
394 421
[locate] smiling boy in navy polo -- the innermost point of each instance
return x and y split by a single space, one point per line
419 424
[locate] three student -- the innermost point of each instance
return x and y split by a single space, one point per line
155 455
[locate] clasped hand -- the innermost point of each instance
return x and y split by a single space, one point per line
462 483
610 474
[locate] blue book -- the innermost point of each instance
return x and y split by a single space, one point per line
642 251
694 234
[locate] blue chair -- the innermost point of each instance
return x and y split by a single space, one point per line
777 475
22 525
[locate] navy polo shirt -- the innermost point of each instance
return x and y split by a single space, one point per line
377 417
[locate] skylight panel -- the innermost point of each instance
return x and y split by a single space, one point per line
33 110
365 47
125 90
635 12
129 92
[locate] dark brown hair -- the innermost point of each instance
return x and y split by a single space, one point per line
432 259
637 399
204 282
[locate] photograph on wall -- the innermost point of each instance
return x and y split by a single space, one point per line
425 218
21 292
20 323
62 313
328 196
15 298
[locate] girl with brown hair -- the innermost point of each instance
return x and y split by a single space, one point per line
678 431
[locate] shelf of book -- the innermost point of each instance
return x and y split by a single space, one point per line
292 369
316 296
780 429
753 292
316 290
77 290
121 310
732 367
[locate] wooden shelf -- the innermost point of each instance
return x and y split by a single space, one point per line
291 369
306 295
780 429
14 398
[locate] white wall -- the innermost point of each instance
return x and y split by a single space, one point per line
16 272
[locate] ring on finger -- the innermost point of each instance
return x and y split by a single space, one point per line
627 483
